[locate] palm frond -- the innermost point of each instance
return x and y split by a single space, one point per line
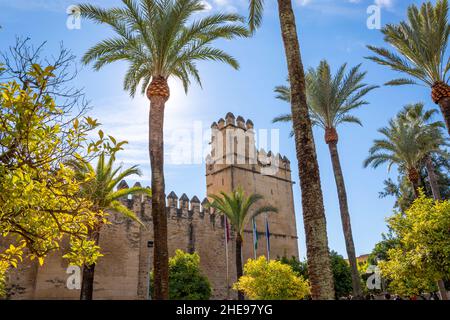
401 82
238 207
161 38
283 118
419 44
120 208
256 9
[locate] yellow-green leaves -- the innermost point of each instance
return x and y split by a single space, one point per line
271 280
423 256
40 202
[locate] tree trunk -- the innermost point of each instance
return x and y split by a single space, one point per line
442 290
239 263
432 178
319 264
413 176
444 104
161 255
437 196
440 93
345 217
87 282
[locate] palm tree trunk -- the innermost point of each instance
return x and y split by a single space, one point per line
345 217
432 178
440 93
239 263
87 282
413 176
319 264
444 104
156 139
437 196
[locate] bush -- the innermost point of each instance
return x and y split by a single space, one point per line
185 279
271 280
422 256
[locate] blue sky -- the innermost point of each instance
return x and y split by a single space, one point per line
328 29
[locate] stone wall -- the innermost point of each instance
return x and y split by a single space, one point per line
123 271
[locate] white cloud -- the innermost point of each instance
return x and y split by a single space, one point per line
384 3
207 5
303 2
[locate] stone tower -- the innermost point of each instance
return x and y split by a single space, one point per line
123 271
235 162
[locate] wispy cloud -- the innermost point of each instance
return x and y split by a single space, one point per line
385 3
47 5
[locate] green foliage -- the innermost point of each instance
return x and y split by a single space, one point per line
342 275
299 267
330 98
381 249
39 195
401 189
271 280
256 10
423 254
161 39
186 281
239 208
407 141
404 145
412 137
99 184
420 45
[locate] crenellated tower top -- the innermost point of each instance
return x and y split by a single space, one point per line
233 143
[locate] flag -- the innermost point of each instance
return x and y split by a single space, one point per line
227 230
255 236
268 238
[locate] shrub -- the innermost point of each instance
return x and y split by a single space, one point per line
273 280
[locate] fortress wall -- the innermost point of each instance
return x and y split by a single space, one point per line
123 271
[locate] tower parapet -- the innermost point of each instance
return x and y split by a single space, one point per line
233 143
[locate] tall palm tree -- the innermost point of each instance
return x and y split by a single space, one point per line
331 99
160 39
98 185
238 208
314 221
420 44
404 145
415 115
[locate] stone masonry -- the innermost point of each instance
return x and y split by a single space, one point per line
123 271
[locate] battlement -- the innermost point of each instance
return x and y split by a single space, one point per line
233 122
128 247
176 207
233 143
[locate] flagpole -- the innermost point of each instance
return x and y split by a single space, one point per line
226 257
267 238
254 236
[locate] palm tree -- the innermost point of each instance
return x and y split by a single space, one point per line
238 208
98 186
330 100
314 221
415 115
160 39
404 145
420 44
